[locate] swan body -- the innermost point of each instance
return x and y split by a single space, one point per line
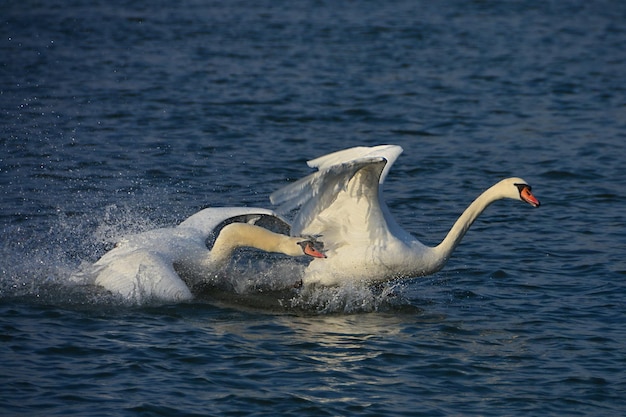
342 202
142 266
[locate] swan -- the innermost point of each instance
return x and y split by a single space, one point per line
342 202
145 266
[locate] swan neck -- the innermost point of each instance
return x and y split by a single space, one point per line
237 235
463 223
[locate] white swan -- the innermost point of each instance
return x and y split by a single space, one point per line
342 202
142 267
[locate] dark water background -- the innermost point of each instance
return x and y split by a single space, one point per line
117 118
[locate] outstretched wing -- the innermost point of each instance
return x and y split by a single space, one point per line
388 152
341 201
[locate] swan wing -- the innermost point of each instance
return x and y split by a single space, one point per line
341 201
141 276
388 152
207 220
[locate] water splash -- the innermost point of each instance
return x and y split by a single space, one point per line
43 261
273 282
354 297
52 265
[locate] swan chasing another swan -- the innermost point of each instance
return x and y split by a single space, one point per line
342 202
146 266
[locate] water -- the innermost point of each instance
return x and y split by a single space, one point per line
119 118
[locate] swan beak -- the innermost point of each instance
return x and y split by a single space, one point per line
309 248
528 197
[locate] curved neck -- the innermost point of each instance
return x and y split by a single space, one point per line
237 235
463 223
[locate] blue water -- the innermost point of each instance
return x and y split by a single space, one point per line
117 118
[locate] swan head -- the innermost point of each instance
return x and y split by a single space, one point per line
312 247
518 189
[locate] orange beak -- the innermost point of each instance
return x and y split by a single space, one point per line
310 250
528 197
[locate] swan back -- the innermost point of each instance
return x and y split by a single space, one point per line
207 220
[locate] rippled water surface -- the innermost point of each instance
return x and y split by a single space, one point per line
117 118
